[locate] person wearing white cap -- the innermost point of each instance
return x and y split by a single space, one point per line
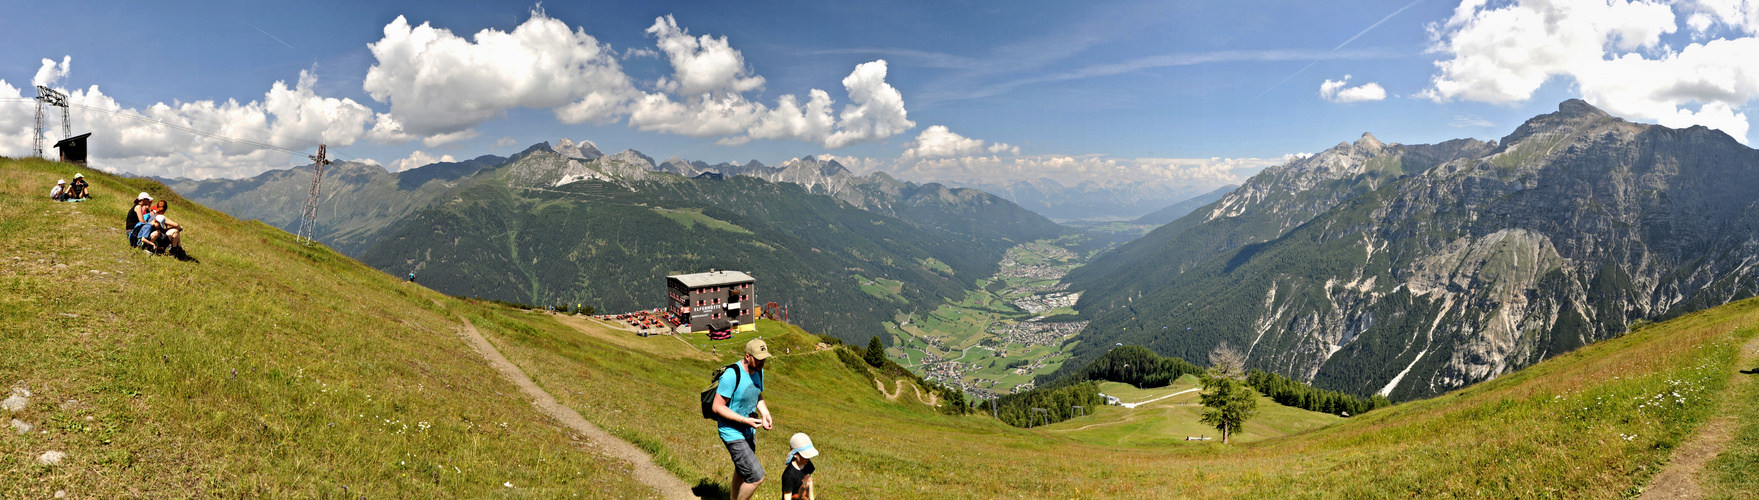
797 476
740 411
136 215
79 189
59 193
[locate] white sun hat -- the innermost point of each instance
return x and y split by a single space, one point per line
802 446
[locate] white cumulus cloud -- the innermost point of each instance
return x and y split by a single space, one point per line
438 83
1336 91
1739 15
155 139
440 86
1613 52
418 159
703 64
939 142
50 72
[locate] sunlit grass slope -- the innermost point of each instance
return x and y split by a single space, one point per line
1170 420
1595 423
332 360
268 369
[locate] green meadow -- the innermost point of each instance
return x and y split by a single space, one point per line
272 369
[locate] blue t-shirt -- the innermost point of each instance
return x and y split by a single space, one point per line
742 400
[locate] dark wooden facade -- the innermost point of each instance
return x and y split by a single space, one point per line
711 301
73 149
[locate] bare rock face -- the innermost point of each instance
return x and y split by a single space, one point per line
584 150
1413 270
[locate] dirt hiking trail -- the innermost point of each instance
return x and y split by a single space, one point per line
1680 478
645 470
898 390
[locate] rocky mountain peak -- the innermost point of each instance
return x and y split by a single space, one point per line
1368 143
821 167
1578 107
633 157
584 149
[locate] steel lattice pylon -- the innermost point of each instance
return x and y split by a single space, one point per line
308 222
51 97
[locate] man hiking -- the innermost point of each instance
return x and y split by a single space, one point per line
740 410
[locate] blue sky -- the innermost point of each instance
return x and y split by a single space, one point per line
1189 93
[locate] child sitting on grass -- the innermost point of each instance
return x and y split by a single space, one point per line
167 235
797 471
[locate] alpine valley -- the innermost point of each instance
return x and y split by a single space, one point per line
568 224
1368 268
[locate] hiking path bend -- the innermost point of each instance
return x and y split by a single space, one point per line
1679 478
645 471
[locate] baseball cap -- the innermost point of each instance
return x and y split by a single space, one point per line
144 196
757 349
802 445
79 176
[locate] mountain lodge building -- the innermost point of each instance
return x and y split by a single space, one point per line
711 301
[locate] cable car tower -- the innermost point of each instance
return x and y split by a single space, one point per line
52 97
308 223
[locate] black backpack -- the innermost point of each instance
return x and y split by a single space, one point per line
708 395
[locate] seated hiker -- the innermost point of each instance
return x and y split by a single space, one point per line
59 192
79 189
797 475
167 234
136 215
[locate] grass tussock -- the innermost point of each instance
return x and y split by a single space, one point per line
263 368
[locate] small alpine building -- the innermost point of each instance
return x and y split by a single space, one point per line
714 301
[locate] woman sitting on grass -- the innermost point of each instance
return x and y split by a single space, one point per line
137 215
78 189
165 231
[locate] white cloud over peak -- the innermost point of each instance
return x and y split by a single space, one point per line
701 65
1335 91
438 83
875 113
154 139
939 142
50 72
441 86
1612 50
878 109
418 159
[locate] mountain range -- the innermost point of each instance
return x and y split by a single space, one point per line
1410 270
569 224
1115 199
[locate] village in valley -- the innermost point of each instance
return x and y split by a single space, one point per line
1016 326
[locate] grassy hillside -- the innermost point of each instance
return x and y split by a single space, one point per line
264 369
276 370
1597 422
1169 421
